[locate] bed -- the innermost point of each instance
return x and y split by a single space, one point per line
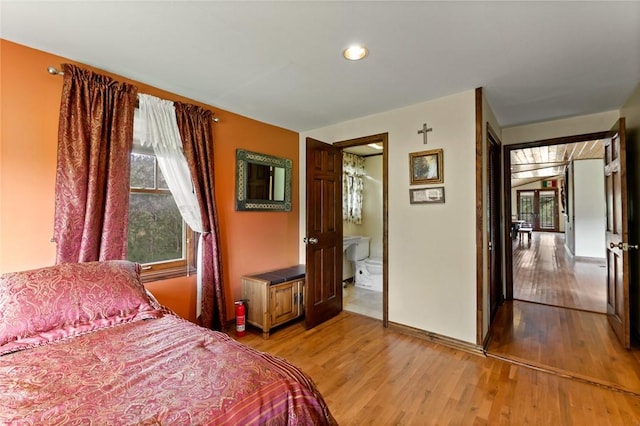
87 344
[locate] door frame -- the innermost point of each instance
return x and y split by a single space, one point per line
508 242
381 138
496 290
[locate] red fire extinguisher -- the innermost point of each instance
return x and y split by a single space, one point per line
240 318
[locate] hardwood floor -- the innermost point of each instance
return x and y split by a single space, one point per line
543 272
372 375
558 324
570 342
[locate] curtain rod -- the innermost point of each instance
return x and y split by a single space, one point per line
55 71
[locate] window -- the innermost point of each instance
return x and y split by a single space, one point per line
158 238
352 187
539 207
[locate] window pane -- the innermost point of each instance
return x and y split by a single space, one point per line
155 228
547 209
162 184
142 168
526 206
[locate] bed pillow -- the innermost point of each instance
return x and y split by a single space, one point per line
71 297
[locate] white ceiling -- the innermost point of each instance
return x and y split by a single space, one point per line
280 62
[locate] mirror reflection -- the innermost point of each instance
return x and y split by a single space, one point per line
263 182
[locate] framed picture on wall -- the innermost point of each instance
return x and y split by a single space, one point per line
426 195
426 167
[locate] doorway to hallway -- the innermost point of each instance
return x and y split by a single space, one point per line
557 321
556 315
544 272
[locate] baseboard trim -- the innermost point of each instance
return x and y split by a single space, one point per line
596 260
568 250
437 338
563 373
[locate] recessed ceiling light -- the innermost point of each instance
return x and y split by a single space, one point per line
355 52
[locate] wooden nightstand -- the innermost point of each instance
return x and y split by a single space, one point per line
275 297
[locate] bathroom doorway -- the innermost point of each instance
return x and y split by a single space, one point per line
365 289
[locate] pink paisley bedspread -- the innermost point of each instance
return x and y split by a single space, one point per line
159 371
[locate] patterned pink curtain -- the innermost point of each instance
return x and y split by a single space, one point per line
92 179
194 124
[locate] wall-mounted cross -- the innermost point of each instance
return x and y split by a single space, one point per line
424 132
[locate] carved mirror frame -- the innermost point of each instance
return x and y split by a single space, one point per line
243 203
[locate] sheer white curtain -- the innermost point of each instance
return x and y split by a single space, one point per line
159 130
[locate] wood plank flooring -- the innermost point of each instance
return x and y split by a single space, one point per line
558 323
372 375
570 342
543 272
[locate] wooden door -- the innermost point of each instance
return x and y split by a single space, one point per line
617 233
323 295
495 246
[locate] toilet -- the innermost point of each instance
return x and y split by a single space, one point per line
367 270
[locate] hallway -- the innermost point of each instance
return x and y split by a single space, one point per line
543 272
558 324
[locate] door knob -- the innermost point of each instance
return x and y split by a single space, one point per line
311 240
623 246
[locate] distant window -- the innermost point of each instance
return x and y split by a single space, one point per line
158 238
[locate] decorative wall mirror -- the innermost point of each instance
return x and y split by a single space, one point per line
263 182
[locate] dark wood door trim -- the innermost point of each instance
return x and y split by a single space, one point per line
382 138
508 246
365 140
479 223
559 141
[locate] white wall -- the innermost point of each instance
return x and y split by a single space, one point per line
591 123
590 210
631 111
349 228
569 228
432 266
372 204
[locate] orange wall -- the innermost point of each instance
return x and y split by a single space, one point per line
29 107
